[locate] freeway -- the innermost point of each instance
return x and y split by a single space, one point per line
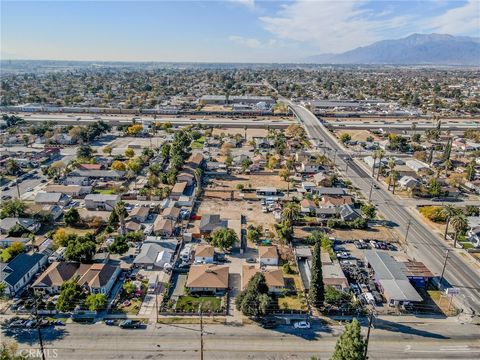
401 125
422 243
85 119
405 340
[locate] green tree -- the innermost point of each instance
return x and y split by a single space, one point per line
223 238
336 297
80 249
449 211
71 295
129 288
284 231
121 213
3 288
291 212
84 152
72 217
12 208
245 164
9 351
434 187
460 224
345 137
316 291
369 210
254 233
96 302
350 345
119 245
254 300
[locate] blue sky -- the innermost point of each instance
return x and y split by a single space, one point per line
219 31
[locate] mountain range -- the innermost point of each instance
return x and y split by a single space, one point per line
433 49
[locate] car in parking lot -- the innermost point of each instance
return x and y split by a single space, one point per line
343 255
251 260
302 325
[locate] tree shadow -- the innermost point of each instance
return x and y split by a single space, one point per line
30 336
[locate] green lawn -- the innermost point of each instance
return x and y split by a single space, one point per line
105 192
188 303
198 144
293 302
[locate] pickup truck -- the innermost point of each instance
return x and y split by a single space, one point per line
130 324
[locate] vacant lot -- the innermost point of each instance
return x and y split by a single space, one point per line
251 133
193 303
252 210
357 135
248 181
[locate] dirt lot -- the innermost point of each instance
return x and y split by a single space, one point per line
255 180
250 132
375 233
357 135
120 144
252 210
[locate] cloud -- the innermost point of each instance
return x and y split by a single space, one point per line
249 42
331 26
337 26
247 3
460 20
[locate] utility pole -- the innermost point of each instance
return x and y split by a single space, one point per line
201 332
40 340
370 319
18 189
443 269
156 297
335 158
408 228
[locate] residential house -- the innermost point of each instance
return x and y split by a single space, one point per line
307 206
139 214
43 211
416 165
335 201
310 167
171 213
178 190
6 241
96 278
307 186
44 198
333 274
90 166
210 222
408 182
186 176
163 227
70 190
267 192
204 253
153 256
74 179
273 278
101 201
211 279
331 191
7 224
106 175
20 271
195 161
268 255
348 213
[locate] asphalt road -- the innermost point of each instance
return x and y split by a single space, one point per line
399 341
424 245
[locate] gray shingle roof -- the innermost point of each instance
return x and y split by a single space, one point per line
20 266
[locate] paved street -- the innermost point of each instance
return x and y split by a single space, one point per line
437 339
424 245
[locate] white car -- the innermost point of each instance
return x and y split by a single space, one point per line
302 325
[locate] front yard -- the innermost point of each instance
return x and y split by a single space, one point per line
208 304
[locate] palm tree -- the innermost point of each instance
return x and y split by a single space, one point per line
291 212
374 156
394 177
285 175
380 155
449 211
198 177
459 223
122 214
391 166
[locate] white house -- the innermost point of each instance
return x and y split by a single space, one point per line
101 201
20 271
416 165
268 255
204 253
408 182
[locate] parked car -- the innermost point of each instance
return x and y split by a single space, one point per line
251 260
302 325
130 324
